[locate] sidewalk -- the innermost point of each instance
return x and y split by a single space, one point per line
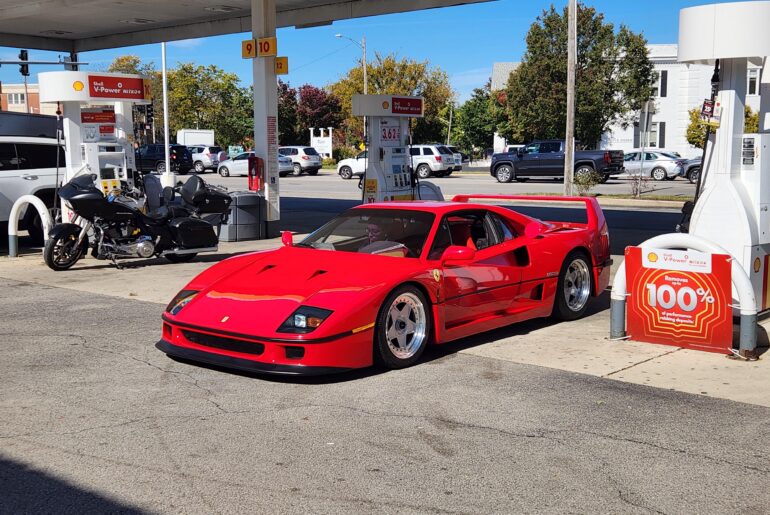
581 346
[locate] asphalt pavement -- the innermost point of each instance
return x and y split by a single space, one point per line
94 419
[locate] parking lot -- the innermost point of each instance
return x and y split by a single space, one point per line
536 416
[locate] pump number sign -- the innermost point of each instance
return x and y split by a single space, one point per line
679 298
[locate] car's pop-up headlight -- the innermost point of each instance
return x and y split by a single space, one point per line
305 320
180 300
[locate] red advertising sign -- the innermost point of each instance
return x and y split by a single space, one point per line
102 116
679 298
400 105
106 86
107 129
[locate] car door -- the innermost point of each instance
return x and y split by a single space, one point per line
632 163
11 185
475 295
551 160
650 160
359 167
241 164
529 160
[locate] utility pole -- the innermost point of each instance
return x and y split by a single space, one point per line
449 131
569 140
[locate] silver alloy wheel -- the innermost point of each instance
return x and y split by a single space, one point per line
583 170
423 171
577 284
503 173
224 172
199 168
346 172
659 174
405 325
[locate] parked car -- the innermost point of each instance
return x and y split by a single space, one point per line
657 165
304 159
204 157
353 166
541 159
458 157
28 166
239 165
691 169
152 158
431 160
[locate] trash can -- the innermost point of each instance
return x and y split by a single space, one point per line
247 217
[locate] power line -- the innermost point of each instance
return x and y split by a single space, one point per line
323 57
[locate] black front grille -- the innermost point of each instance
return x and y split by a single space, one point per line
220 342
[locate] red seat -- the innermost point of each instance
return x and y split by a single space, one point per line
461 235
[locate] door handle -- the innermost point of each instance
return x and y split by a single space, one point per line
28 177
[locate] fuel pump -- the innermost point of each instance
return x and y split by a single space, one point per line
98 124
388 176
733 207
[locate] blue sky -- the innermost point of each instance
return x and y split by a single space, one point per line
464 41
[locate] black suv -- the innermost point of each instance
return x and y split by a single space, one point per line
150 158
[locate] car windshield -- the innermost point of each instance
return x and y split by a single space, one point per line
388 232
443 150
310 151
215 150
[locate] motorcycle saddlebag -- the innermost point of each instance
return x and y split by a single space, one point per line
215 202
193 233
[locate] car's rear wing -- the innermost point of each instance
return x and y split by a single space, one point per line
594 215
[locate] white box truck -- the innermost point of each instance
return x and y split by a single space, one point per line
190 137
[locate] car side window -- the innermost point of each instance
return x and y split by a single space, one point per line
534 148
550 147
441 242
427 151
414 151
8 159
362 155
650 156
282 151
504 232
633 156
241 157
33 156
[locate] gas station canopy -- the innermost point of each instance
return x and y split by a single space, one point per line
84 25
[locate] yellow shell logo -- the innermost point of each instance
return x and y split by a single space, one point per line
757 265
385 105
652 257
78 86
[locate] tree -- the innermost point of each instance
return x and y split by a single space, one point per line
696 130
287 114
388 75
613 78
317 108
475 120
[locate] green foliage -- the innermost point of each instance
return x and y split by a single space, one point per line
388 75
613 78
584 181
476 120
329 162
751 121
696 129
287 115
343 152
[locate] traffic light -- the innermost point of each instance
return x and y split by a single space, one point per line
149 113
24 68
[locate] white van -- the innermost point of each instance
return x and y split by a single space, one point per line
28 166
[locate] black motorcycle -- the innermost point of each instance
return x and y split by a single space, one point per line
176 231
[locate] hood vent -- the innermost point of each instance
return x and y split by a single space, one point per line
265 269
316 274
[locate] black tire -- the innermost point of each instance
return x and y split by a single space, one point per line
59 253
199 168
34 224
693 174
388 331
583 169
576 273
160 167
504 173
423 171
658 174
312 172
296 170
224 172
346 173
179 258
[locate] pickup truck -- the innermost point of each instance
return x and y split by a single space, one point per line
546 159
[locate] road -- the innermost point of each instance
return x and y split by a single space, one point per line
93 419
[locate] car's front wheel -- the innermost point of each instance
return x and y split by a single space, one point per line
402 328
574 288
346 173
160 167
503 173
224 172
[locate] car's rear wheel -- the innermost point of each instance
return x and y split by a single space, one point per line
402 328
199 168
160 167
296 170
224 172
574 288
693 175
583 170
503 173
659 174
346 173
423 171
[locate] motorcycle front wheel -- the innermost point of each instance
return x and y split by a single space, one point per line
60 252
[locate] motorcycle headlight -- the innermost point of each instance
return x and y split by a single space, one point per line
180 300
304 320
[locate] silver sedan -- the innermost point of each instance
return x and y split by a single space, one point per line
653 164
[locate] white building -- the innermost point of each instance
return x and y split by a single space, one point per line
680 87
500 74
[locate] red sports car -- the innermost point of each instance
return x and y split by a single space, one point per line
380 282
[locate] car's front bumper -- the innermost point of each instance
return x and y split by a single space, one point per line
288 355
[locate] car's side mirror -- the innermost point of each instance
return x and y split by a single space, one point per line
287 238
457 255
